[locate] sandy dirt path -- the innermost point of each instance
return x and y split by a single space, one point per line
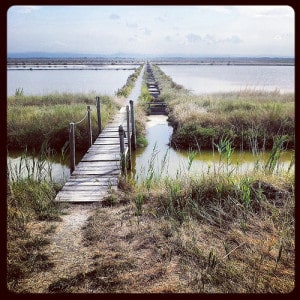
66 249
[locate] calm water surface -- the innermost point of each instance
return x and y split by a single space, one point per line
204 79
39 82
169 162
51 168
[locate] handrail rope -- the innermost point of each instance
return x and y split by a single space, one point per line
76 123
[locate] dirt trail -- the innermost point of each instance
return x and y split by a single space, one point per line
66 250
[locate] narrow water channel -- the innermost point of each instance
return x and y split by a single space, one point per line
165 161
53 167
158 157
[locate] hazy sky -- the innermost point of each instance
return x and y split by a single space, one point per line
155 30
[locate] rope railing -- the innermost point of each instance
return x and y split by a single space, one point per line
76 123
90 133
125 153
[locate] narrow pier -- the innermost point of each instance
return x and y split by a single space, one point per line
155 107
99 169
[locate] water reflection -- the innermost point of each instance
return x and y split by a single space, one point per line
20 165
205 79
165 161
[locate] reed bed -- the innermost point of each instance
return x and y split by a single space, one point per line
128 86
30 210
33 120
215 233
252 119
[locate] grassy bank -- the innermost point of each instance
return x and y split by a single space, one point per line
128 86
215 233
35 120
30 210
250 119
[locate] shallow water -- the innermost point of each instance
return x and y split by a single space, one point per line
53 167
39 82
205 79
167 161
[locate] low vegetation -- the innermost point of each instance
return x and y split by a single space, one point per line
251 119
128 86
217 232
34 120
30 210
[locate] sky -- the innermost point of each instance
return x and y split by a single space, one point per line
153 30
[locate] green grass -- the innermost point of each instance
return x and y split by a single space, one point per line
252 119
34 120
128 86
29 200
221 225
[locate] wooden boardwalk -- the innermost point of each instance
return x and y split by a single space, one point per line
98 170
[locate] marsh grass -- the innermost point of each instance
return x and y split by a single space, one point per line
252 119
211 233
130 82
252 215
34 120
29 200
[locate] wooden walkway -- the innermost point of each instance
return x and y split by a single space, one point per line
154 107
98 170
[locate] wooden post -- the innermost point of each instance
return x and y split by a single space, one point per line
90 134
133 137
99 114
122 149
128 136
72 147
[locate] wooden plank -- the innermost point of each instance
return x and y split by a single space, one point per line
105 148
97 172
86 188
94 156
97 164
90 177
100 181
84 184
99 169
79 198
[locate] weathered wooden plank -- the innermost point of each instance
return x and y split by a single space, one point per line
85 163
91 177
104 148
80 198
99 169
91 193
86 188
84 184
97 172
92 180
105 142
94 156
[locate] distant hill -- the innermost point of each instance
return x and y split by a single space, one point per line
159 59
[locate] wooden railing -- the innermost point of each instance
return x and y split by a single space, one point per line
125 152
